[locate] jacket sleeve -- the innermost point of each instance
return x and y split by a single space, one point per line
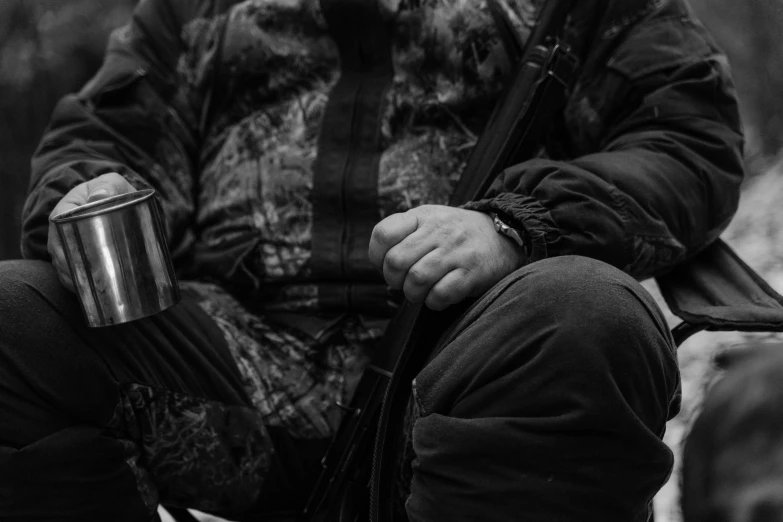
658 165
139 116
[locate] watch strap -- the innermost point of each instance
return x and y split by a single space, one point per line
502 227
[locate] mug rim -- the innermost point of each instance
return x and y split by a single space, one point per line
91 209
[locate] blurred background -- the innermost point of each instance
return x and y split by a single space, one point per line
51 47
48 48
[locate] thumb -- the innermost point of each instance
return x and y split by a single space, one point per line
95 195
105 186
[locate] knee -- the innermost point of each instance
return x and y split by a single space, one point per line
591 319
29 290
567 326
593 313
18 271
582 296
577 301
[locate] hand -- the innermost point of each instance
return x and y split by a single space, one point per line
110 184
441 255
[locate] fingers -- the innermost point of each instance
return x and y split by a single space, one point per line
107 185
438 280
404 255
388 233
438 255
452 288
53 244
103 186
424 274
59 261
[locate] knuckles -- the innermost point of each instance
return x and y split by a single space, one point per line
459 236
114 180
381 234
447 227
461 244
395 262
418 277
472 259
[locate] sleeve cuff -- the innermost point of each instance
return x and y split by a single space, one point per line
528 214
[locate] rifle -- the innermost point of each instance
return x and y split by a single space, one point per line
544 68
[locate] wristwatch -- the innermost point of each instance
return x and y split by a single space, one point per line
507 230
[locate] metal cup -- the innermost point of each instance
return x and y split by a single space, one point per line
118 257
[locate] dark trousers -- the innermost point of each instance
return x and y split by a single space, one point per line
547 401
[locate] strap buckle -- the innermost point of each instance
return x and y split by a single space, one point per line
562 62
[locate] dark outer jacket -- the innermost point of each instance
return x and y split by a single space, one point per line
218 105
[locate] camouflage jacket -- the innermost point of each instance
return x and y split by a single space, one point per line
221 106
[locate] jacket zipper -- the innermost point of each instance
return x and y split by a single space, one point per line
345 182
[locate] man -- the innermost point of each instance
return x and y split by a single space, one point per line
285 140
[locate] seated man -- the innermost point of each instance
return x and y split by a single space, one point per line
282 152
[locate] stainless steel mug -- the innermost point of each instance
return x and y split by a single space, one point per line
118 257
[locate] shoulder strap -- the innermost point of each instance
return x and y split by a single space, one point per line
716 290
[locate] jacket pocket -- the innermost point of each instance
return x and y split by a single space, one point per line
646 60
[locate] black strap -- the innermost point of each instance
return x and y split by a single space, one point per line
716 290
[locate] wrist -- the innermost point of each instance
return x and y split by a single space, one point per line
513 235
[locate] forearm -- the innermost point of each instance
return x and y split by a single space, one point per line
658 182
139 116
81 143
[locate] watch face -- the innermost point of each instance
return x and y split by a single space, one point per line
509 232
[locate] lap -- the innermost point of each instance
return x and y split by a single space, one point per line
293 378
77 373
212 398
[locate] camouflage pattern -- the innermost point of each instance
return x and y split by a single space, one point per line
196 453
191 452
255 177
294 379
217 105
